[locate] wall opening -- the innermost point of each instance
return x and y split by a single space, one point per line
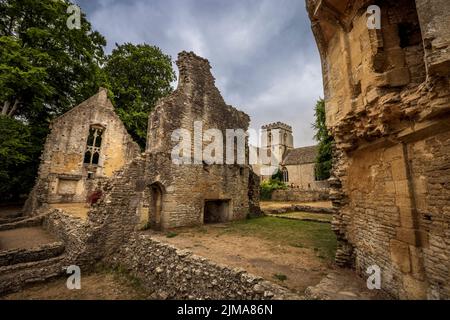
93 145
216 211
285 173
403 15
156 206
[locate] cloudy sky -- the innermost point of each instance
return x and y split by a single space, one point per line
262 52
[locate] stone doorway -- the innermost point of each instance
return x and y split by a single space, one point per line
156 206
216 211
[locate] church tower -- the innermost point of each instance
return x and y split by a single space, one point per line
278 138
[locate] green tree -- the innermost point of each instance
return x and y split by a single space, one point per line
267 187
45 69
19 156
325 140
138 75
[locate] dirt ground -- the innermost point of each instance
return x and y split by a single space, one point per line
9 211
306 216
293 267
24 238
97 286
343 284
79 210
265 205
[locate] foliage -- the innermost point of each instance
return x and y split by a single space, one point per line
171 235
19 155
269 186
281 277
325 140
47 68
278 175
138 75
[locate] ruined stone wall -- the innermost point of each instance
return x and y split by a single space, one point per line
186 187
388 107
178 274
63 175
118 213
302 176
299 195
75 245
127 203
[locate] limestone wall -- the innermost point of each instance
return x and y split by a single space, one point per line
178 274
302 176
388 108
63 176
299 195
75 245
186 187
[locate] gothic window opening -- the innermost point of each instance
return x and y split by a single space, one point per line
285 173
94 143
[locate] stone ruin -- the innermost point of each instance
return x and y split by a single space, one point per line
89 154
89 151
387 97
86 146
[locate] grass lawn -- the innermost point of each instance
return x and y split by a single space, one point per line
302 234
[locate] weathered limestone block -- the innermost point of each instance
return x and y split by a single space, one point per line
69 170
435 23
387 102
178 274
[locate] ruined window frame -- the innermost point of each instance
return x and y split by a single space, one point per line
94 144
285 173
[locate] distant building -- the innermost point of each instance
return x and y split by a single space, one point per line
298 167
296 164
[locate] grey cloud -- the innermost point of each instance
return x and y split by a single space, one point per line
262 51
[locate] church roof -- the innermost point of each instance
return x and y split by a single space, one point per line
301 156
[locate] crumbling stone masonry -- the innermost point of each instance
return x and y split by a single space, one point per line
140 190
388 106
186 195
89 144
86 145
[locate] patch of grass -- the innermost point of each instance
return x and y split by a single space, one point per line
122 275
303 234
146 226
309 216
202 229
281 277
171 235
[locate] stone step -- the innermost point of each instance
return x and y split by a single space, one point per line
14 277
23 223
43 252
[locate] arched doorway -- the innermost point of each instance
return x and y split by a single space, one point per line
156 206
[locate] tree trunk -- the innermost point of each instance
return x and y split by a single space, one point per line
14 108
5 108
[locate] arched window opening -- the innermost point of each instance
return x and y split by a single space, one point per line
285 173
93 145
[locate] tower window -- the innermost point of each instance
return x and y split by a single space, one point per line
94 143
285 173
